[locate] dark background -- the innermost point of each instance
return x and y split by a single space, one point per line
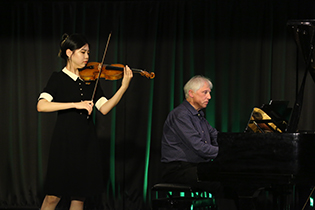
244 47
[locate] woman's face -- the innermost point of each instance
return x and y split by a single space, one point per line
79 57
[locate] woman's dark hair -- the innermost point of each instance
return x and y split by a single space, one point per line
72 42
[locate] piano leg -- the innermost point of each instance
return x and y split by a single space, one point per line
283 197
280 197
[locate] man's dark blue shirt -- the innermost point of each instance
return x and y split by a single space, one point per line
188 136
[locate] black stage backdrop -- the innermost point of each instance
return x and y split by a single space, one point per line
245 47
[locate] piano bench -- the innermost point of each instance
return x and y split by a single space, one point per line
178 196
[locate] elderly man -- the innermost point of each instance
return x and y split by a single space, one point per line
188 138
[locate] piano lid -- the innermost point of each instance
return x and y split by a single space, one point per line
303 31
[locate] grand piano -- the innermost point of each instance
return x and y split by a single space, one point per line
281 164
272 164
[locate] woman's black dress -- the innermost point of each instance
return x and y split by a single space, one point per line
74 166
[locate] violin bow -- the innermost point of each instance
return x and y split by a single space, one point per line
100 66
100 69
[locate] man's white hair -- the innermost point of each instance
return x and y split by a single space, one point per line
195 83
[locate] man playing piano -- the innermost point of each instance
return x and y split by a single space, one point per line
188 138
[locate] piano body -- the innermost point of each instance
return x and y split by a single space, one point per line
284 158
271 154
279 163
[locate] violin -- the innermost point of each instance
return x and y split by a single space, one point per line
110 72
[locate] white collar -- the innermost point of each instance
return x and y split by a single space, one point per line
70 74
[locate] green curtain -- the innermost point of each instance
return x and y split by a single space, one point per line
244 47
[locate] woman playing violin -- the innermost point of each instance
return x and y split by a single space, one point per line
74 165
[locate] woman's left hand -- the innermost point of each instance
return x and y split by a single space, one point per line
127 76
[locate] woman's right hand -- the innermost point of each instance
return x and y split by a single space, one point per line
44 105
87 105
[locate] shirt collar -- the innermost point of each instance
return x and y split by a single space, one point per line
70 74
192 109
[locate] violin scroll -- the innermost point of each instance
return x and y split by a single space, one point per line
148 75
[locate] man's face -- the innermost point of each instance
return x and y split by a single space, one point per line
201 97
